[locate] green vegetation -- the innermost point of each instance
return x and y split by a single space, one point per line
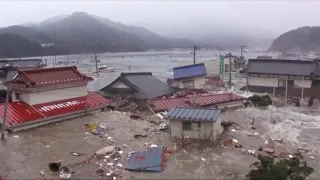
268 168
264 100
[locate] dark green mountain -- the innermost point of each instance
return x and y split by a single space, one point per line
84 33
303 39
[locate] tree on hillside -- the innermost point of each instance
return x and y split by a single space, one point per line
268 168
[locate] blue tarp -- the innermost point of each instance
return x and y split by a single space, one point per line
189 71
150 160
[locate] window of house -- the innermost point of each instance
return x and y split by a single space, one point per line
253 75
18 96
290 82
188 84
282 83
191 126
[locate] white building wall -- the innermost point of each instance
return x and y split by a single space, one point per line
274 82
260 81
199 82
217 128
303 83
52 95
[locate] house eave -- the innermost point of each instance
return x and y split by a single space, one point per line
46 88
278 74
178 79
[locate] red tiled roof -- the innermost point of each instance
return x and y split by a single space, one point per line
214 80
70 105
200 100
32 78
21 112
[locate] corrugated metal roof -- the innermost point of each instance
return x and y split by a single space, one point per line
50 76
150 160
200 101
21 112
281 67
189 71
190 114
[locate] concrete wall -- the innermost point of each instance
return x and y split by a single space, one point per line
208 130
53 95
199 82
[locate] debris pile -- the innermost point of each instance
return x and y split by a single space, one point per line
98 129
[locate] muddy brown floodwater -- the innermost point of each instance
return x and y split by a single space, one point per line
26 154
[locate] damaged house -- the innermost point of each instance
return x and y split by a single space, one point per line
196 123
223 100
140 85
41 96
190 76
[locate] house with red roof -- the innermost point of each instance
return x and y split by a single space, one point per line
222 100
41 96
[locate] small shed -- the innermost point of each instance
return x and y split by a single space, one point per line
197 123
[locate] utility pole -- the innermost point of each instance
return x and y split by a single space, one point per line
67 62
242 51
4 122
230 55
96 61
195 48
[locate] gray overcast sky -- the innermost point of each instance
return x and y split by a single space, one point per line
164 16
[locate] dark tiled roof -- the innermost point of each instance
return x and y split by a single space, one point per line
145 84
264 57
6 76
189 71
281 67
191 114
10 75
